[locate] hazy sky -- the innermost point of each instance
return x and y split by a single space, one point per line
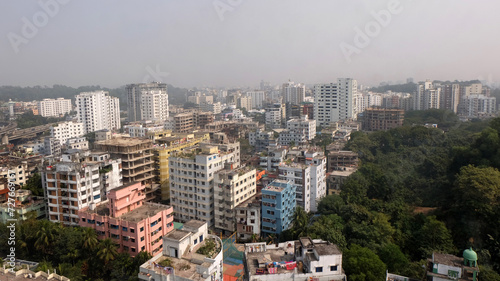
240 42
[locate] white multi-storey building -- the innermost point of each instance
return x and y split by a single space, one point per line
474 106
273 117
54 107
192 175
303 125
317 162
258 98
309 179
78 181
66 130
293 93
97 111
77 143
245 102
214 108
147 101
232 187
142 130
335 101
300 176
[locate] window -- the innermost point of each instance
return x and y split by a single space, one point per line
319 269
201 238
132 230
333 268
83 219
453 274
142 229
125 228
142 238
195 241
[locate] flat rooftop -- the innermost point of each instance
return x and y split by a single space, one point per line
276 185
186 265
143 212
177 234
344 172
256 260
194 224
124 141
136 215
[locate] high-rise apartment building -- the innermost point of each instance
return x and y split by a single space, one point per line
258 98
137 160
293 93
192 174
245 102
308 178
147 101
97 111
476 106
232 187
450 97
76 183
54 107
335 101
66 130
427 96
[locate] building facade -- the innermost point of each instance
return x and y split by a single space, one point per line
147 101
278 206
301 260
131 223
97 111
376 119
66 130
232 187
335 101
54 107
181 257
192 175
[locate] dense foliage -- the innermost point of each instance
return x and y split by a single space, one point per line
73 251
28 120
398 88
418 190
176 96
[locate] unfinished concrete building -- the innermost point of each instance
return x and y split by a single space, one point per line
137 161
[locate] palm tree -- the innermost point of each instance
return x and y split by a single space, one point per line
46 236
89 239
107 250
300 222
73 255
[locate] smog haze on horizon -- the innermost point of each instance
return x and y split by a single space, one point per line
238 43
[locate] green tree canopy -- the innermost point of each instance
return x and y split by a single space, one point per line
361 264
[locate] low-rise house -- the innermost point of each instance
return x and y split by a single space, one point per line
300 260
188 254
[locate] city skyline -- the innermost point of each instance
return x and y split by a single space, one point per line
239 43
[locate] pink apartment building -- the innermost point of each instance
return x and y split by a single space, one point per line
133 224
